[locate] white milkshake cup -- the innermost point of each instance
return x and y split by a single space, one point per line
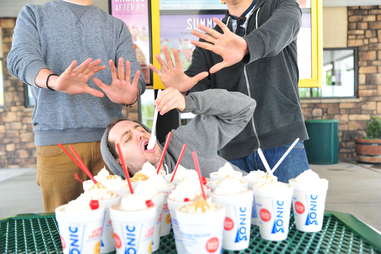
237 221
107 241
80 232
273 204
172 206
133 230
308 205
165 218
158 200
201 233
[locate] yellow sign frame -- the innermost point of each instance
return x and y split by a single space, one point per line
316 47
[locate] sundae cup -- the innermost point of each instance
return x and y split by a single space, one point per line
80 225
133 223
255 178
308 201
273 204
201 226
237 200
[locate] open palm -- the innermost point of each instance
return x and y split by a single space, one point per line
121 90
231 47
74 79
172 74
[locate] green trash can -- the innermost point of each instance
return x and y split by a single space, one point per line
323 145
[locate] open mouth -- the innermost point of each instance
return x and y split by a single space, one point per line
145 146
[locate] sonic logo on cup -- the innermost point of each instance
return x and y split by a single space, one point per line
265 215
228 224
212 245
74 240
278 222
312 212
242 230
130 240
299 207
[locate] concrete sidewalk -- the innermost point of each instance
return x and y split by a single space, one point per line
353 188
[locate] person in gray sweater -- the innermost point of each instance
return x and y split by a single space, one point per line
220 116
49 42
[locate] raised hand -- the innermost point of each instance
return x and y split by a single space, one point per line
231 47
169 99
172 74
121 90
74 79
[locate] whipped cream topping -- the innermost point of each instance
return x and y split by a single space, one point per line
80 204
183 174
225 171
259 177
100 192
229 186
186 191
274 189
199 205
308 180
135 202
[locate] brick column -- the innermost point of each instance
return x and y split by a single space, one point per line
364 32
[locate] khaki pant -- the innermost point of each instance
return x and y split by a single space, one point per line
55 172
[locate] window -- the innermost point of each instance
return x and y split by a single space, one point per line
339 75
1 72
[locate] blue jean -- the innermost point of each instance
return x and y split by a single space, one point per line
295 163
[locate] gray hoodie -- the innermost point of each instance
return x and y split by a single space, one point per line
221 115
51 36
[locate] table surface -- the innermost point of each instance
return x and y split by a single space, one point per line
341 233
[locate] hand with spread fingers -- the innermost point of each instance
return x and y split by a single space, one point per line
121 90
74 79
169 99
231 47
172 74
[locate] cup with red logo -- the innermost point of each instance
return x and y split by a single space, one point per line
308 201
237 200
201 225
273 204
80 225
186 191
133 223
165 218
257 178
106 199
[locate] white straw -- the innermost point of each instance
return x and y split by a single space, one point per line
152 139
264 161
284 155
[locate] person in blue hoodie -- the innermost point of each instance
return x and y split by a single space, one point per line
58 49
251 50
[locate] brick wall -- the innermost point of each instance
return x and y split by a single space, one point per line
364 32
17 149
16 146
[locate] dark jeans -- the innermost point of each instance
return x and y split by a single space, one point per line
295 163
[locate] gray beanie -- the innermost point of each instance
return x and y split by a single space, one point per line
111 163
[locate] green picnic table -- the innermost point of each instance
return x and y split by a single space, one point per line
341 233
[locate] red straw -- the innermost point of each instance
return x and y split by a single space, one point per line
168 139
178 162
197 166
70 156
124 167
82 165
